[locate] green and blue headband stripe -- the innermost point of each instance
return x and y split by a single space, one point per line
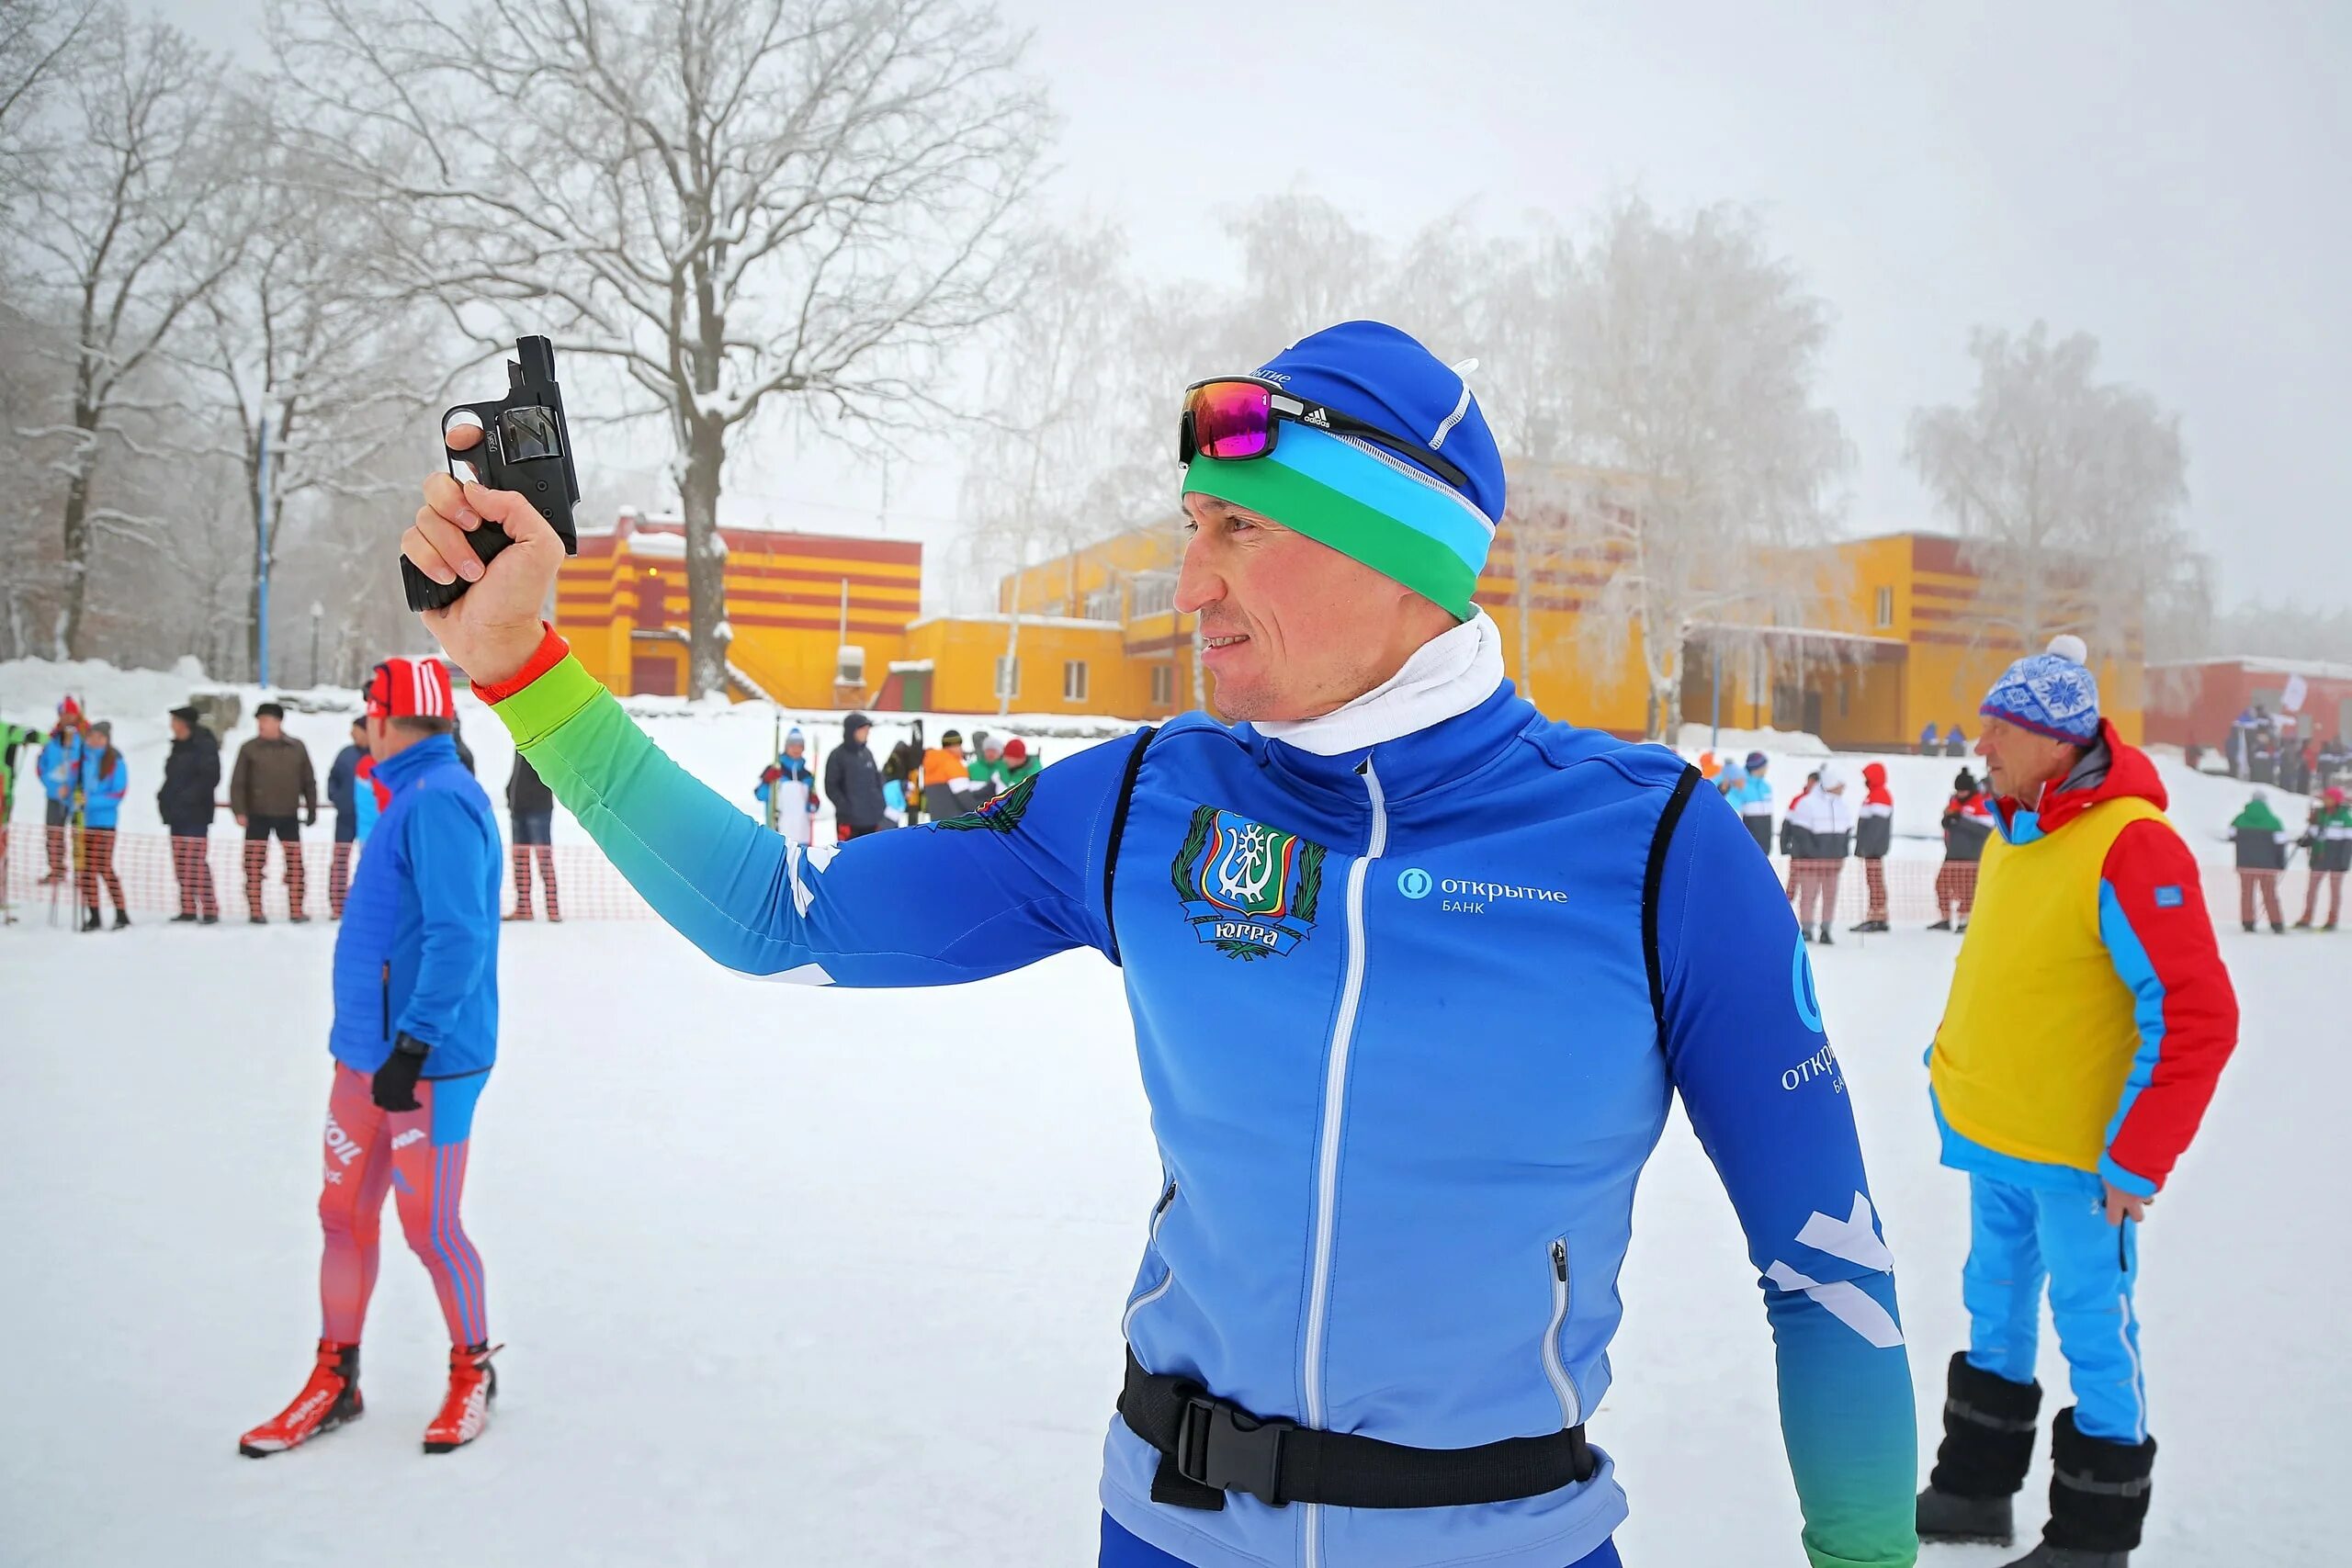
1364 505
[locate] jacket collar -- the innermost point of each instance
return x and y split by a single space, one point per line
2108 771
1448 675
1446 714
413 762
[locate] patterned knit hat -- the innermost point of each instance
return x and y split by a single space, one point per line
410 688
2051 694
1363 499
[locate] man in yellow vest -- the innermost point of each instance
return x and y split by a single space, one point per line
2089 1018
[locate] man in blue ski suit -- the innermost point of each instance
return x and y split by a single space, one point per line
414 1037
1479 953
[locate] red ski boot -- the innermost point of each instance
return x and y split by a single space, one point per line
326 1402
473 1384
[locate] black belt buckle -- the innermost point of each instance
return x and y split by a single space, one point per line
1223 1445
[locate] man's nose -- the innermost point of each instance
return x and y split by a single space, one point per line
1198 582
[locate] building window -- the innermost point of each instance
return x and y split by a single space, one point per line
1885 608
1008 677
1155 593
1103 605
1163 686
1074 681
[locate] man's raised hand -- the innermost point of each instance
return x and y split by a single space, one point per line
493 630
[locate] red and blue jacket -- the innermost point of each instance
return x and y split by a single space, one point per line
2090 1013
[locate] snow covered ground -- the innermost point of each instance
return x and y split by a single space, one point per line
825 1277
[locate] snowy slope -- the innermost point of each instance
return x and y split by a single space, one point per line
825 1277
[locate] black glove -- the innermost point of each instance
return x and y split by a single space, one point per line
310 818
395 1088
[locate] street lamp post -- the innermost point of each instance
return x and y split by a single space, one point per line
318 613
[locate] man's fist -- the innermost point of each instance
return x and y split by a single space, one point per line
493 630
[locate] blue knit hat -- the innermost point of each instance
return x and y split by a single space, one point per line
1363 499
2051 694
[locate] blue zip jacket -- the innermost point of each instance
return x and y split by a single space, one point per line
417 951
102 797
1406 1056
60 766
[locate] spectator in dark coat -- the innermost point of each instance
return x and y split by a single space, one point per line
271 782
342 774
1968 822
853 783
530 809
191 779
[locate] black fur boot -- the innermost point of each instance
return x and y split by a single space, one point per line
2098 1500
1989 1426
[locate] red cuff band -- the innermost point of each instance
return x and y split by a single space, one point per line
552 650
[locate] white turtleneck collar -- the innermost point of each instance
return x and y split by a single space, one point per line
1446 677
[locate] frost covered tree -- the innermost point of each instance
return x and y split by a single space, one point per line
745 206
124 239
1050 468
37 39
295 356
2067 489
1670 366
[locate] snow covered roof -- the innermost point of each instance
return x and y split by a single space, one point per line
669 546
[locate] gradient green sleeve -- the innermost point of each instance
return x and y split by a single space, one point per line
926 906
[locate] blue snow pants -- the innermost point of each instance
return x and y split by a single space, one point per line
1121 1550
2019 1238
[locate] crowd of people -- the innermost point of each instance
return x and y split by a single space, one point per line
2285 749
915 783
2265 846
273 794
1824 827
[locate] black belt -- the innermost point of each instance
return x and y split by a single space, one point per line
1209 1446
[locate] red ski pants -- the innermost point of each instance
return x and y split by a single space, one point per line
421 1156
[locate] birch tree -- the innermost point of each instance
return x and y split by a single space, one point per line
741 204
1683 366
1056 469
2066 490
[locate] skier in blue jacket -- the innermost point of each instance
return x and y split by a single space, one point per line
60 766
1415 971
105 778
415 1032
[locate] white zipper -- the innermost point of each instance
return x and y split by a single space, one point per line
1159 1218
1571 1402
1327 1159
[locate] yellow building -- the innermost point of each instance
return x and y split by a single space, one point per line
1902 634
1899 633
817 619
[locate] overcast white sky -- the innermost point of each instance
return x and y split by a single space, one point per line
2174 178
